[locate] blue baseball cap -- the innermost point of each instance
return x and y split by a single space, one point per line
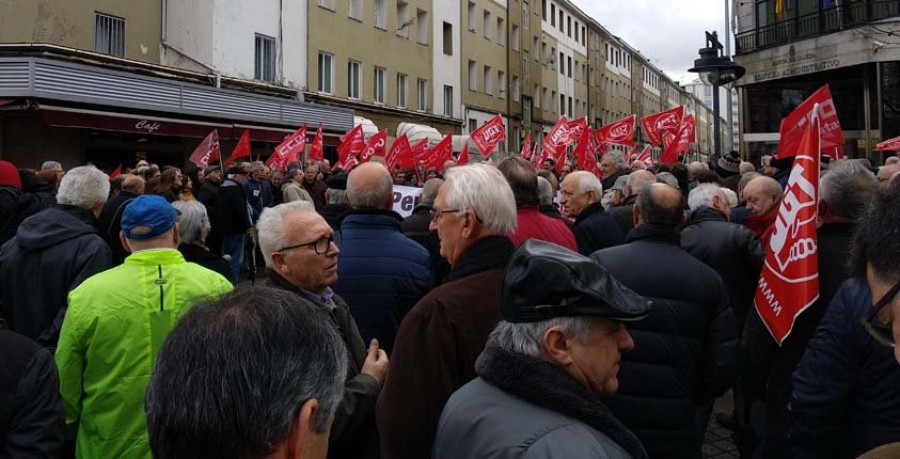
148 216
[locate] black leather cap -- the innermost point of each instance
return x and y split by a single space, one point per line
544 280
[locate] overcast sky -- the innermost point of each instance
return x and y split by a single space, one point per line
668 32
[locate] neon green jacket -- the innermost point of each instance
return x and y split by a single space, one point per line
112 331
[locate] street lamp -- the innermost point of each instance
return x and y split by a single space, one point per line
716 70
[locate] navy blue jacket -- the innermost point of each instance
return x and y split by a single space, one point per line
596 229
846 397
382 274
259 195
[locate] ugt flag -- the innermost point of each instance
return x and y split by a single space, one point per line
488 135
789 281
658 123
620 132
207 152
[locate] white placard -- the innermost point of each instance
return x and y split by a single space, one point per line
406 198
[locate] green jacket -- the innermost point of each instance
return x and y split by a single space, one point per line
113 329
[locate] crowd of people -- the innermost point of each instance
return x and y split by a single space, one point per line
517 312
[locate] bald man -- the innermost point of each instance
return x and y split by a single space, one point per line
381 273
111 215
686 347
888 171
763 195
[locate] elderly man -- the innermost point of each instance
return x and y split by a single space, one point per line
111 215
381 273
887 172
624 213
547 365
258 189
301 257
258 341
209 196
845 192
117 321
416 226
595 229
234 223
439 340
530 223
763 195
293 190
314 186
612 166
687 343
638 165
856 407
194 227
545 193
276 181
53 252
56 168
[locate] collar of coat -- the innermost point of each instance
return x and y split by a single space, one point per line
707 213
588 211
550 387
653 232
486 253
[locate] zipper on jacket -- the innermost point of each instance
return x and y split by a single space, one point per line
160 282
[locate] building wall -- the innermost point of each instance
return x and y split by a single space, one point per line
550 82
71 23
446 69
482 48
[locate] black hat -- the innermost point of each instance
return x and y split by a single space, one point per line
544 281
211 169
337 181
236 169
729 164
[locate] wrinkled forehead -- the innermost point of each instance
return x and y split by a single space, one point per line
307 225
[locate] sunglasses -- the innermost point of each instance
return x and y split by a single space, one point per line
879 331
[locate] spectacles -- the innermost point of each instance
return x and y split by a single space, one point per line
436 215
880 332
320 245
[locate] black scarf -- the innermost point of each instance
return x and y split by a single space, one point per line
549 386
486 253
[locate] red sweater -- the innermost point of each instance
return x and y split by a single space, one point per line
534 225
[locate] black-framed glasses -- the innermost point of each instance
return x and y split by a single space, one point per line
436 215
881 333
320 245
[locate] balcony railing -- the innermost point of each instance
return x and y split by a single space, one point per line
841 16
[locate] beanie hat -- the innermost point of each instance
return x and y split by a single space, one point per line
9 175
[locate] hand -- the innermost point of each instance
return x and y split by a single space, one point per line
376 364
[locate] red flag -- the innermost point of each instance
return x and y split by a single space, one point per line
207 152
116 172
375 147
441 153
556 140
417 153
537 156
242 149
889 145
792 126
488 135
577 128
689 119
347 163
619 132
681 143
399 153
317 151
288 150
631 152
352 143
584 153
464 154
789 281
656 123
526 147
646 156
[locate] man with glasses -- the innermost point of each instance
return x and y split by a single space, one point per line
846 396
301 257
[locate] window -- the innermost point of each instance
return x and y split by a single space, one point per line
553 15
552 97
517 92
353 79
473 125
515 37
553 58
501 83
326 73
562 104
561 25
570 107
381 14
264 59
537 96
544 10
448 100
488 87
576 71
501 32
545 99
544 53
421 95
562 64
473 76
583 38
472 14
403 19
536 49
401 90
327 4
422 27
379 85
526 65
109 35
487 25
448 39
355 9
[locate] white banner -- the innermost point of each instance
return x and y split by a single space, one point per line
406 198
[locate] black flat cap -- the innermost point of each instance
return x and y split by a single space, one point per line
337 181
544 281
211 169
236 169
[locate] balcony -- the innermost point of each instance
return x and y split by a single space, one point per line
842 16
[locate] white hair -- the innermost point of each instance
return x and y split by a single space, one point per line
704 194
731 195
668 179
638 165
525 338
746 167
695 168
483 189
373 198
588 182
84 187
637 184
616 158
335 196
192 222
270 227
545 191
50 166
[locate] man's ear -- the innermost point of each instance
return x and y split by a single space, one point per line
278 263
303 425
124 241
555 347
635 215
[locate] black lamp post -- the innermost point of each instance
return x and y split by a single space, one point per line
716 70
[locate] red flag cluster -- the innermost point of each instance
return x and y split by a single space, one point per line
657 124
681 141
620 132
289 150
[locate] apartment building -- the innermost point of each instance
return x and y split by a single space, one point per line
524 74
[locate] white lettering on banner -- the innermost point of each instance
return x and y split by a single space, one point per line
787 220
148 126
769 296
406 198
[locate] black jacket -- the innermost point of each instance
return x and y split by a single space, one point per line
53 252
209 197
684 351
32 420
232 211
609 182
624 214
767 366
730 249
36 196
415 227
334 214
203 257
111 224
595 229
